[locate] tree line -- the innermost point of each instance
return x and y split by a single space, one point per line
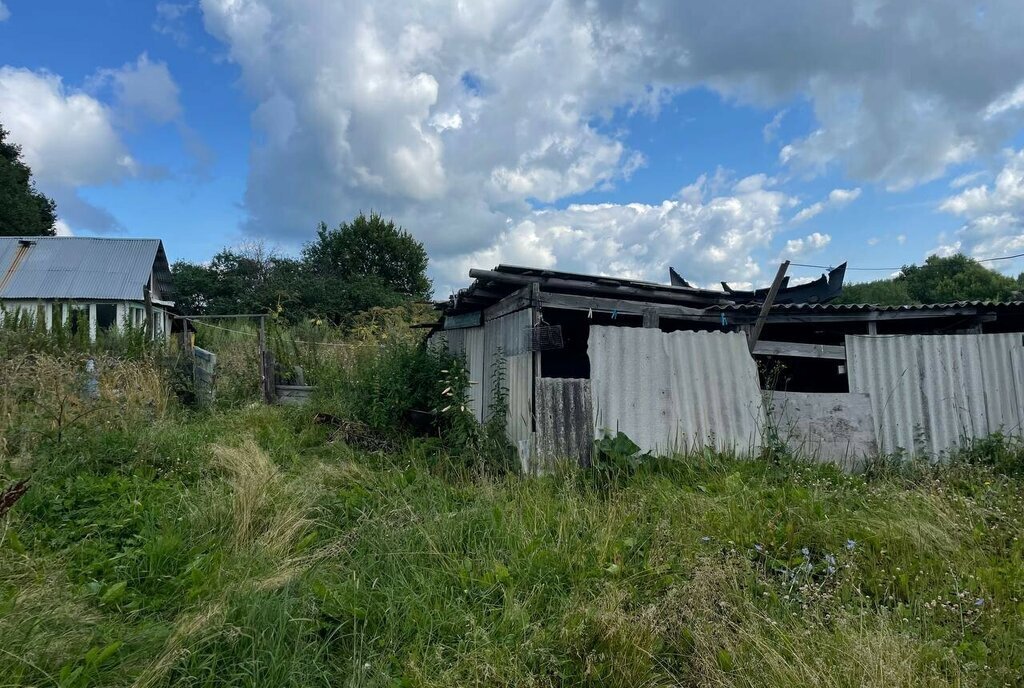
372 262
366 263
938 280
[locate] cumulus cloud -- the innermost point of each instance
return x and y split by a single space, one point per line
66 136
799 248
707 236
142 89
456 118
73 139
993 213
837 198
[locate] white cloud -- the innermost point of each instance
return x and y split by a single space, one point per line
143 89
453 118
170 17
771 130
993 213
812 243
70 138
967 179
67 137
707 237
5 13
873 241
1011 100
837 198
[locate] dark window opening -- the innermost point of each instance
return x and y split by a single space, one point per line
799 374
78 319
572 361
106 315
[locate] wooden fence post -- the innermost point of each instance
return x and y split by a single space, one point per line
266 364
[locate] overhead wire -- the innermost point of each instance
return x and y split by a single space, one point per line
830 267
297 341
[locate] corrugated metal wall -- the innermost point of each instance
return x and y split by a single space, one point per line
676 390
929 392
505 337
565 422
468 343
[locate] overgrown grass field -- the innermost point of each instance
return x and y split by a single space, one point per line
245 545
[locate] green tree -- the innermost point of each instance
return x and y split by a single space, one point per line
251 279
939 280
373 250
24 211
364 264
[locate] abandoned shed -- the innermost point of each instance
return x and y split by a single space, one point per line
94 283
674 366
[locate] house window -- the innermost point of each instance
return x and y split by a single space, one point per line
106 315
78 318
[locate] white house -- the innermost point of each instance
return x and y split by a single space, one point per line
111 282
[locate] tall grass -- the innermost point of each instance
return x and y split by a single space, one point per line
242 548
247 545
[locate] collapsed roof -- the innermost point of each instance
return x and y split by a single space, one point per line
491 286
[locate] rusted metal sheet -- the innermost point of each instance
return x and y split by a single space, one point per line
673 391
930 393
503 344
836 428
565 423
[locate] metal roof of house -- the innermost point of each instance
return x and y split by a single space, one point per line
80 268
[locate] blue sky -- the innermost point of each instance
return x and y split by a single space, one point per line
590 137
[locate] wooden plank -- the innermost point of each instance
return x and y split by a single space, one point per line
608 288
463 320
801 350
598 303
651 317
516 301
755 332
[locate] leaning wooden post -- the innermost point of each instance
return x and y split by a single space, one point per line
769 300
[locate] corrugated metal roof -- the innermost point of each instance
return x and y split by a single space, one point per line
673 391
80 267
931 392
864 307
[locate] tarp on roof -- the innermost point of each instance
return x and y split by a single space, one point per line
80 268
